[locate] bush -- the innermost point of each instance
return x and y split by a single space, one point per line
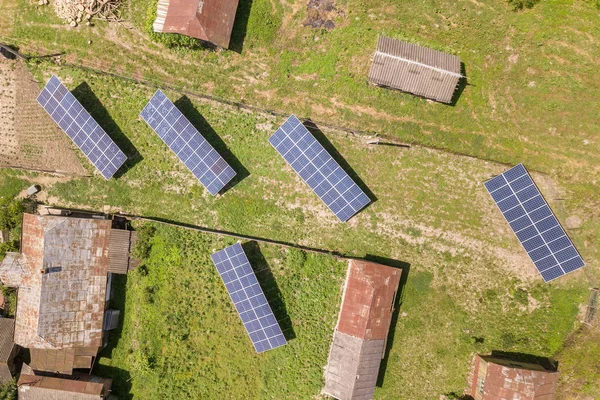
11 213
8 391
521 4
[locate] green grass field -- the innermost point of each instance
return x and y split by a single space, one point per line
470 289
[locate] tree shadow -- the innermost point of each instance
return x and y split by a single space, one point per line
187 108
405 267
240 26
270 288
462 84
548 363
94 106
322 139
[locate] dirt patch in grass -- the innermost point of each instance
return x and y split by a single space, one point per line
28 136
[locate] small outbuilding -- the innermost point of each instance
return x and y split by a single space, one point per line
207 20
500 378
360 337
35 386
414 69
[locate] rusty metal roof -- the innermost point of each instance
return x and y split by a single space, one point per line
61 275
7 329
414 69
368 301
82 387
507 379
208 20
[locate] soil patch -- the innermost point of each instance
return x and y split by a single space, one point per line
321 14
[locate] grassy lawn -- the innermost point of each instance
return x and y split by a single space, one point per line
532 98
470 288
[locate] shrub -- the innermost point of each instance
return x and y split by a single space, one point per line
521 4
8 391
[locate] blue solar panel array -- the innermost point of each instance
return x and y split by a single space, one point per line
187 143
78 124
318 169
533 222
248 298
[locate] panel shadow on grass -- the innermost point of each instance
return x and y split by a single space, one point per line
187 108
322 139
405 267
121 385
94 106
269 286
240 26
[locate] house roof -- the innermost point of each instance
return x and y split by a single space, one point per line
369 295
353 367
208 20
61 274
79 387
507 379
7 329
414 69
360 337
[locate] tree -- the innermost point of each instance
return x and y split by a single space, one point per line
8 391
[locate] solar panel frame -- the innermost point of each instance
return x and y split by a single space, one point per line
318 169
81 128
533 222
248 298
192 149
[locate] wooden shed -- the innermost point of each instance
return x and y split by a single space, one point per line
207 20
8 349
499 378
414 69
360 337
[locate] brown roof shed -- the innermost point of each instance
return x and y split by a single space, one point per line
498 379
360 336
7 348
208 20
77 387
414 69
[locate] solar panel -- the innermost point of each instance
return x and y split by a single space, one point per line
535 225
79 125
318 169
187 143
248 298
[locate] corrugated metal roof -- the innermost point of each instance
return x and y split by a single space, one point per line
34 387
118 251
353 366
7 330
507 379
368 302
208 20
63 281
414 69
5 375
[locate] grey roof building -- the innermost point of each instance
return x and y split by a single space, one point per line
63 278
414 69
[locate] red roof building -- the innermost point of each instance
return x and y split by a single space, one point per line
207 20
361 333
496 378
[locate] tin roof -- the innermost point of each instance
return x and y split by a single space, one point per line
414 69
7 329
61 275
208 20
368 301
80 387
507 379
360 337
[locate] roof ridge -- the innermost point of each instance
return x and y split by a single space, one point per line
440 70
